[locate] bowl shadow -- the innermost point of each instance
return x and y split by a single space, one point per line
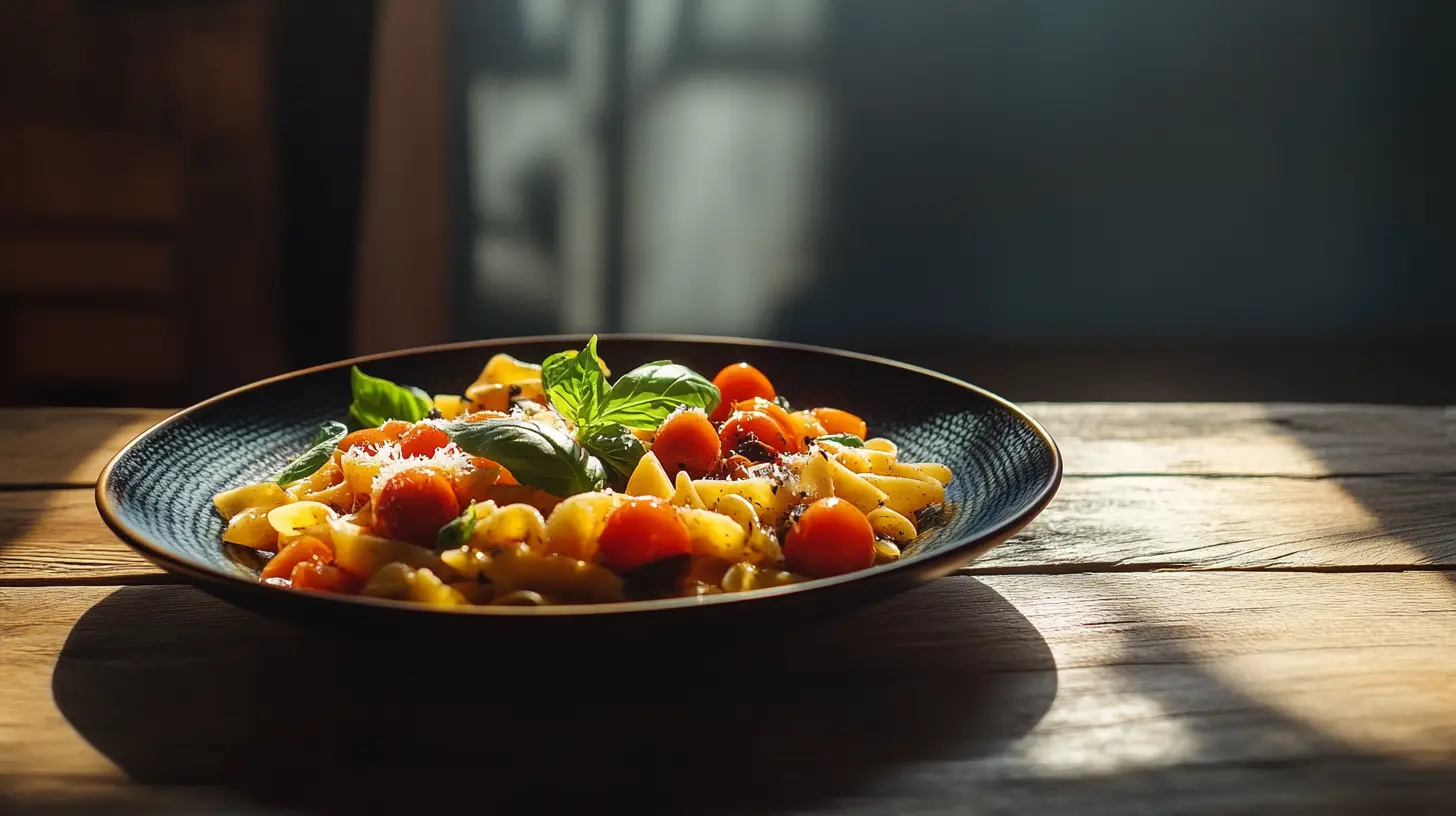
177 687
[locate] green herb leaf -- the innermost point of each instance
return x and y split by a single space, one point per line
455 533
574 383
847 440
536 454
320 448
377 401
644 396
614 444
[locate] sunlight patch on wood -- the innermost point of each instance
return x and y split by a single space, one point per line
1104 725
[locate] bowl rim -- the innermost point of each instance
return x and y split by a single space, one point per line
161 555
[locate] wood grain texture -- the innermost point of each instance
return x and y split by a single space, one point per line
66 446
1250 439
1214 693
56 536
1254 523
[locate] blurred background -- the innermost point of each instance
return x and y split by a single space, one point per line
1110 199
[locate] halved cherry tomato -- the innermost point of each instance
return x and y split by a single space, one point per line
395 428
368 440
687 441
746 426
323 578
737 383
306 548
836 421
505 478
414 504
777 413
830 538
422 440
644 530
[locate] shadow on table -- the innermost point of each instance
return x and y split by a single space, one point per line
176 687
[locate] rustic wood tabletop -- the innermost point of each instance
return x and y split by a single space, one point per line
1228 608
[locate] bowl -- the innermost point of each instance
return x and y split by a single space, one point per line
156 494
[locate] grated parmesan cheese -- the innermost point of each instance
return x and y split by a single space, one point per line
385 462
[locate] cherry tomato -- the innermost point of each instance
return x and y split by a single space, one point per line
644 530
323 578
368 440
687 441
481 416
743 426
836 421
830 538
777 413
395 428
737 383
505 478
306 548
414 504
422 440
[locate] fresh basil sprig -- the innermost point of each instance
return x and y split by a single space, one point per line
641 399
320 448
377 401
614 444
845 439
535 453
574 383
645 396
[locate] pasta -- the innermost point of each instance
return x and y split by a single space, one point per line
549 484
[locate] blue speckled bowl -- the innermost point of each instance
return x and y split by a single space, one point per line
156 494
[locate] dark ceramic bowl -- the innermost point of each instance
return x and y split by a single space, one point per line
156 494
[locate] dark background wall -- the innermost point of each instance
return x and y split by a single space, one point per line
1213 199
1119 199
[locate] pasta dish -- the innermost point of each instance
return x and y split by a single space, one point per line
553 484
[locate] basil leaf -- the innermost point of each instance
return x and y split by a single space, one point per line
847 440
319 450
537 455
377 401
614 444
644 396
456 532
574 383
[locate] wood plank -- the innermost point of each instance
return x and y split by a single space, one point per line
1250 523
55 536
1250 439
1151 693
1097 525
66 446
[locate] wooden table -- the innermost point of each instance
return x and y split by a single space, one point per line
1229 608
